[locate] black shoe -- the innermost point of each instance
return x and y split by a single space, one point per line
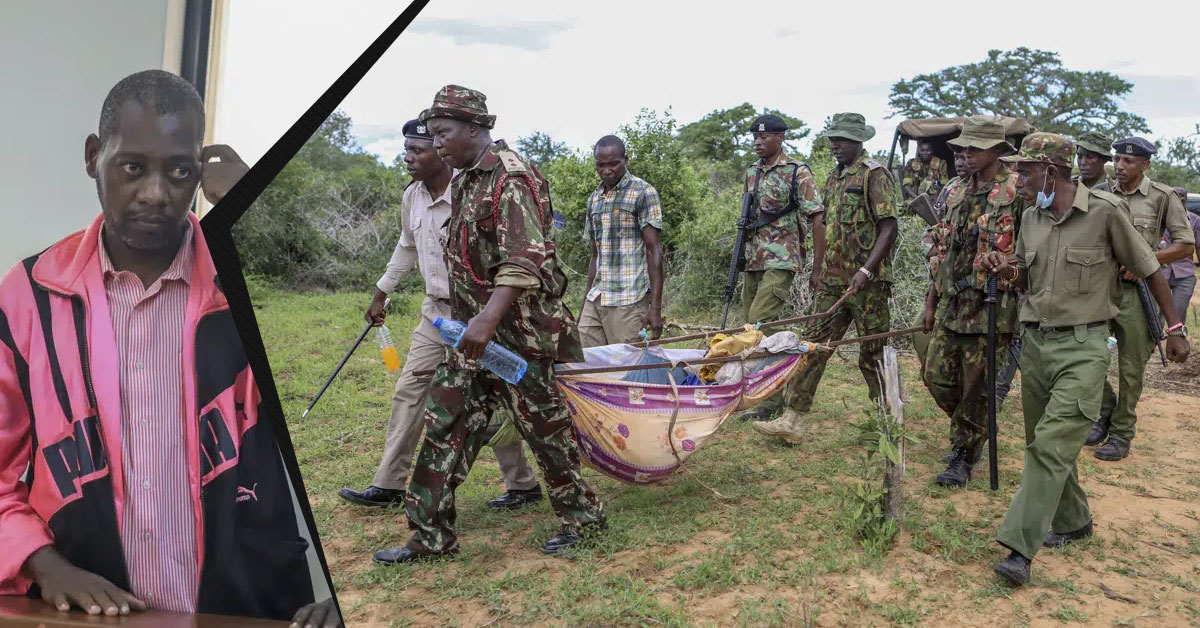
757 414
1096 436
403 554
511 500
1054 539
1113 449
1015 569
373 496
567 539
958 473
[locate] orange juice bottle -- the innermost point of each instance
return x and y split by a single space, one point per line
391 357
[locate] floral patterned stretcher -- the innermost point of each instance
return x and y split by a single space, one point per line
641 432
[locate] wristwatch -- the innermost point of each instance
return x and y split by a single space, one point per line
1178 330
870 275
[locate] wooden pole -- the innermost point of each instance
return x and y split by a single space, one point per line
893 479
731 330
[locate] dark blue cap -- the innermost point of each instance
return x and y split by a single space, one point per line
768 123
1135 146
417 130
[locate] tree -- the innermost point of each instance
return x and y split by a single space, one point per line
1179 162
724 135
540 148
1025 83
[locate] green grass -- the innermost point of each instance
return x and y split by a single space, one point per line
751 533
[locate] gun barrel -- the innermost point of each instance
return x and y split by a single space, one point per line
1153 324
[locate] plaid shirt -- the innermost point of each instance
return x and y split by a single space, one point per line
614 224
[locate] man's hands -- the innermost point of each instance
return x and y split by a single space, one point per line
376 312
654 321
318 615
995 262
480 330
64 585
857 282
1126 275
1178 348
814 280
218 177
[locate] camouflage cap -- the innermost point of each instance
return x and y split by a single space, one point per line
849 126
982 132
1046 148
1095 143
459 103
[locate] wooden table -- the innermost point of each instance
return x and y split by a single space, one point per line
22 612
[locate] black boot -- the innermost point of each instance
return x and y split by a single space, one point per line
1096 436
958 473
511 500
1054 539
568 538
1113 449
1015 569
374 496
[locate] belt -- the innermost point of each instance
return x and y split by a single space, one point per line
1063 328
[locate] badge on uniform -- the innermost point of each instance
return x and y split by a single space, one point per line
421 129
762 126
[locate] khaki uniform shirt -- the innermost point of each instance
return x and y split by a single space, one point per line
1154 208
422 236
1073 262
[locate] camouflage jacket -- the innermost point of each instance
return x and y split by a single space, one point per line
856 199
501 221
933 236
924 177
780 245
979 218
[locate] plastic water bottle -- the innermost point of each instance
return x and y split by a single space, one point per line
387 347
1112 345
507 365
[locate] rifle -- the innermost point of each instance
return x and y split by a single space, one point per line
745 225
1152 323
921 206
993 464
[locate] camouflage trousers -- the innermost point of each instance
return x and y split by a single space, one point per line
955 372
458 409
868 310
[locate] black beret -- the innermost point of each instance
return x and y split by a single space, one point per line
1133 146
768 123
417 130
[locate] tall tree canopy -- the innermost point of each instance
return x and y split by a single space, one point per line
540 148
1025 83
724 134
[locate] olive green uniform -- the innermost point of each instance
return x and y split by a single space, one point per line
1152 208
1072 293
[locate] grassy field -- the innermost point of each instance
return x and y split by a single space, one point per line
752 533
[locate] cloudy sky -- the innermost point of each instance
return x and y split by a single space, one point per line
578 70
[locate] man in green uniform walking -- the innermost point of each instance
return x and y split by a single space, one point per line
1092 151
983 215
1072 241
859 228
1152 208
506 284
785 199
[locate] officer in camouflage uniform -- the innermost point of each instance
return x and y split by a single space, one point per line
930 244
1071 243
859 225
785 199
1152 208
983 215
507 286
1092 151
925 173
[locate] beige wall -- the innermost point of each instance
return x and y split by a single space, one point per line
58 59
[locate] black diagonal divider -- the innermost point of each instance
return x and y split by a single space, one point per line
219 221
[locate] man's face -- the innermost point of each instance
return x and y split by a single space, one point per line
610 165
1091 165
981 158
844 151
421 159
1130 168
767 144
924 152
1031 179
146 174
455 141
960 164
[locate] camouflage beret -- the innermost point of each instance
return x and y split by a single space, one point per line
1135 146
459 103
1046 148
417 130
768 123
1095 143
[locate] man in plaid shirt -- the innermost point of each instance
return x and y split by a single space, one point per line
625 278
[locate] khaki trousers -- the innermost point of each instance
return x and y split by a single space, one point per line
601 325
408 411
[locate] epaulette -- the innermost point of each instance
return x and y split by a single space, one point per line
1109 197
512 164
872 164
1163 187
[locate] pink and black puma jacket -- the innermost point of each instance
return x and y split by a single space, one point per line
60 418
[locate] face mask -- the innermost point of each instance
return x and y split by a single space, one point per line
1043 201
